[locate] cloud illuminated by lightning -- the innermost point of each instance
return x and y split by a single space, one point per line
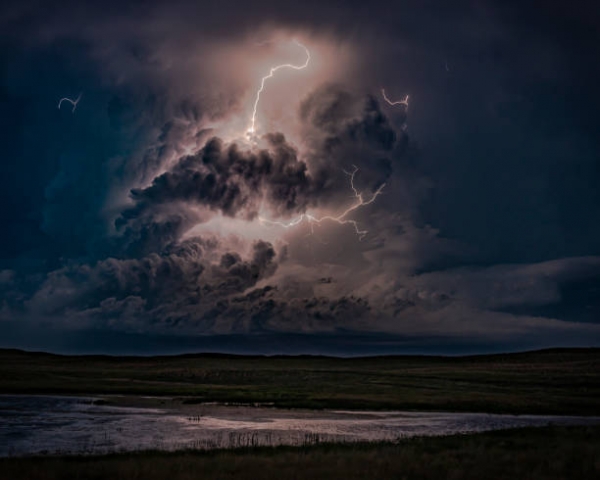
340 219
309 218
73 102
404 101
252 127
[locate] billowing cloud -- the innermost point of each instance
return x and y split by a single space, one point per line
150 210
235 182
178 288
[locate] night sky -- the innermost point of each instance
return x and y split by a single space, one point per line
150 218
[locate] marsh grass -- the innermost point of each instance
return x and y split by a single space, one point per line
532 453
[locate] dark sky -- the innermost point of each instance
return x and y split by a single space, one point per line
149 219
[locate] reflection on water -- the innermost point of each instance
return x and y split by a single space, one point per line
44 424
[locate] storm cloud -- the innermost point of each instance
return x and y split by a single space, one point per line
151 210
232 181
178 288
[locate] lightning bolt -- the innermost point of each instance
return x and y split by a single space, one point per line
341 218
252 127
404 101
73 102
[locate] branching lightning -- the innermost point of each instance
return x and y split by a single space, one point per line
360 200
341 218
73 102
404 101
252 127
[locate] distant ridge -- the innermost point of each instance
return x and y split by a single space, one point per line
216 355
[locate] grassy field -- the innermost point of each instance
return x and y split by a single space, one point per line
534 453
552 381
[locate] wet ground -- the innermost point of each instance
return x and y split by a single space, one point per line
52 425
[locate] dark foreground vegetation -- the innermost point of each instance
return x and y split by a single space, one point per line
562 381
534 453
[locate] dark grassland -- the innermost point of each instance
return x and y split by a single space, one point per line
561 381
533 453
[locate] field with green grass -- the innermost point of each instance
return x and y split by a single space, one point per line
562 381
535 453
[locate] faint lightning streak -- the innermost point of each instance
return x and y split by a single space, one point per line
251 129
311 219
404 101
73 102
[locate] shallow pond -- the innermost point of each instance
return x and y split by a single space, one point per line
52 424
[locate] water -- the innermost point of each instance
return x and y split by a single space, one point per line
52 425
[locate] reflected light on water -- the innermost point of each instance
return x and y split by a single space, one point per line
44 424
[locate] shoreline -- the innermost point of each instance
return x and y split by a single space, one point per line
191 403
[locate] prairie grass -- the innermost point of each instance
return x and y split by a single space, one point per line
532 453
561 381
